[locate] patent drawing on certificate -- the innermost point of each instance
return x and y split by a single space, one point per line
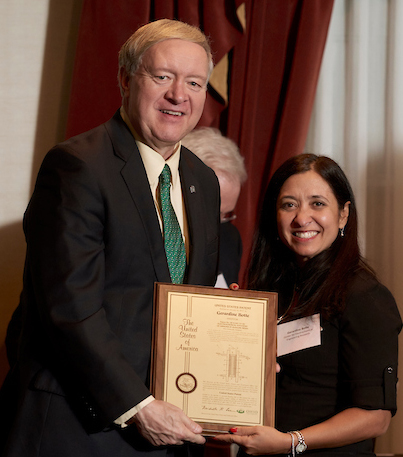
214 354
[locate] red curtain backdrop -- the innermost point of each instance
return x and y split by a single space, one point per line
273 82
106 25
274 67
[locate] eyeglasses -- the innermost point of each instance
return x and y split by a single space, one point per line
227 217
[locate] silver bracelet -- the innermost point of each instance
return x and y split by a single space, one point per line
301 446
292 450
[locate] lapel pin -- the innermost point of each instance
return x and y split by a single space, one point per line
192 189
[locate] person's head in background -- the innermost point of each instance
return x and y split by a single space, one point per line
222 155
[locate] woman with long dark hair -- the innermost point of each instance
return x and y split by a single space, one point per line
334 397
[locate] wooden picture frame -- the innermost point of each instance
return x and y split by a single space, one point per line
214 354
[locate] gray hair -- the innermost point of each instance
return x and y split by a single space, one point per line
131 53
216 151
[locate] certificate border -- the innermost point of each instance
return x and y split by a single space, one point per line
158 354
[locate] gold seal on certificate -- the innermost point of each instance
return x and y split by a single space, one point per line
214 354
186 383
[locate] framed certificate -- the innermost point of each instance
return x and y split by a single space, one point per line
214 354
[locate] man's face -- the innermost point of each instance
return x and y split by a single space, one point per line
164 99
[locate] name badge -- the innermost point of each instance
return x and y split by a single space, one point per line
299 334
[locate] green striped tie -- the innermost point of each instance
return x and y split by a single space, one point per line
173 240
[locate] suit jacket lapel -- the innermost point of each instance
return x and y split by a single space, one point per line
191 191
135 177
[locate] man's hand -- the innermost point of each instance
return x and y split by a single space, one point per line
162 423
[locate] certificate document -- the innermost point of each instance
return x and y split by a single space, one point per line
214 354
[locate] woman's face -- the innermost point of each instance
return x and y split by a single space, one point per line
308 216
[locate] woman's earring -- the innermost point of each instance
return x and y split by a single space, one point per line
342 232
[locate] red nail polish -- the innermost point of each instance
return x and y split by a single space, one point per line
233 430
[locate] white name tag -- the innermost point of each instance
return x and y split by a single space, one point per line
300 334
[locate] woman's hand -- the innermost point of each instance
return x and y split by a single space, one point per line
349 426
258 440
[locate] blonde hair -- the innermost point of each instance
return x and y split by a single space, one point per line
217 152
132 51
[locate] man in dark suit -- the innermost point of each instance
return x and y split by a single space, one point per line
80 341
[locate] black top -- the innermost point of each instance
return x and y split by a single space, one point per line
355 365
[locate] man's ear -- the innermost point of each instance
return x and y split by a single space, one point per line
124 79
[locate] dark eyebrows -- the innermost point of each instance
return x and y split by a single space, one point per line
282 197
311 197
319 196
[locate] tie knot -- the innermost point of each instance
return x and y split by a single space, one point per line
165 176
